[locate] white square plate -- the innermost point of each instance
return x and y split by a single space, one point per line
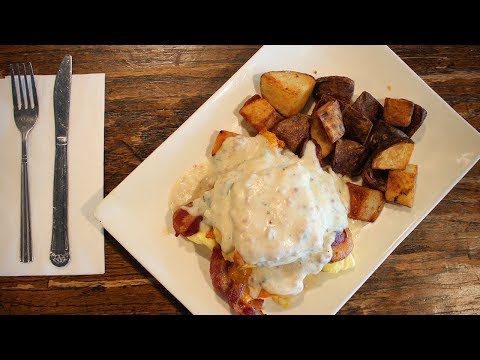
137 213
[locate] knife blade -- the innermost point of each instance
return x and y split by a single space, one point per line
59 250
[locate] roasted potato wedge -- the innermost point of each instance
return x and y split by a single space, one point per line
394 157
386 146
272 139
418 116
327 98
331 118
401 185
369 107
347 157
384 135
398 112
286 91
340 87
259 113
294 131
221 137
318 134
357 126
365 204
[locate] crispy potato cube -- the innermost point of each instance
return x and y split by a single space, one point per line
347 157
287 91
398 112
394 157
369 107
221 137
365 204
318 134
340 87
331 119
272 139
325 98
294 131
418 116
259 113
401 185
357 126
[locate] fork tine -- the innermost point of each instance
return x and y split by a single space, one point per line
20 86
34 88
26 86
14 88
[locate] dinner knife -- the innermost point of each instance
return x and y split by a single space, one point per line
59 251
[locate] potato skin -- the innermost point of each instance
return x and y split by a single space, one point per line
369 107
293 131
374 178
418 116
340 87
347 157
384 135
325 98
357 126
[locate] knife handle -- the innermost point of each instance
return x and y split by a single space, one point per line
59 251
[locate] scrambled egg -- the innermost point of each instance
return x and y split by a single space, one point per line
342 265
201 238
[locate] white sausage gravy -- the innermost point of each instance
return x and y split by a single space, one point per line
279 211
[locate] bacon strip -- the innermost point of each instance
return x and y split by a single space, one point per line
232 287
342 246
186 224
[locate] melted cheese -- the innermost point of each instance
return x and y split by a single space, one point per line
278 211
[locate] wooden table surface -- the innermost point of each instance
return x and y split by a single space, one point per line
151 90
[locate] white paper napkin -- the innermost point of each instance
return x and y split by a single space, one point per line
85 166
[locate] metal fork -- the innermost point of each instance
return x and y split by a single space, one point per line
25 119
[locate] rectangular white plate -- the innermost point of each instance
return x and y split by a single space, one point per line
136 213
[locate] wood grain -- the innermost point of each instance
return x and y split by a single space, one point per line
151 90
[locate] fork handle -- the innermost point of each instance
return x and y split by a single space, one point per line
59 251
25 230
